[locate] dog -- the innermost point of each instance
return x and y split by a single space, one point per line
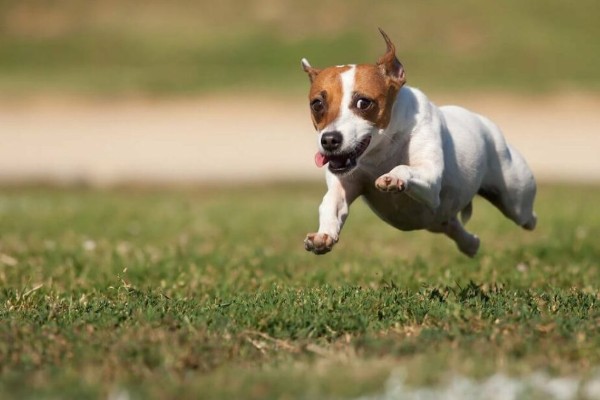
418 166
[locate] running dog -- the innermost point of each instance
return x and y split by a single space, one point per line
418 166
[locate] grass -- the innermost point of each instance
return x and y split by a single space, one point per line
182 47
208 293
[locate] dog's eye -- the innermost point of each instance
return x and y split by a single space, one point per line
317 105
364 103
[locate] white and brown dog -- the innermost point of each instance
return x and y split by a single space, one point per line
418 166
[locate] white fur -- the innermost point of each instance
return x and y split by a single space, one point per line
352 127
423 170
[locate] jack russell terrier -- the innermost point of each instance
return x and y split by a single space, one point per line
416 165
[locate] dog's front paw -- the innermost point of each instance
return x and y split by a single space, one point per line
319 243
390 183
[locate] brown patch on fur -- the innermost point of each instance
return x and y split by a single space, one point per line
310 71
379 83
369 82
327 87
390 65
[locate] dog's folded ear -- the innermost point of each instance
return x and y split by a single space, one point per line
389 64
312 72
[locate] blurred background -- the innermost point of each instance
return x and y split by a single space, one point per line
113 92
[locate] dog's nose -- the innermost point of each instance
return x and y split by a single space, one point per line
331 141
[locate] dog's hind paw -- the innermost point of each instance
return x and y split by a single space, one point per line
390 183
319 243
470 246
530 225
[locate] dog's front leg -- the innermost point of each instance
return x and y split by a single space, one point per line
333 212
421 183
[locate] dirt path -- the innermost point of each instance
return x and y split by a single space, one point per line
251 139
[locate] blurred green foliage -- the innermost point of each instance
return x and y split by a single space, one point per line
181 46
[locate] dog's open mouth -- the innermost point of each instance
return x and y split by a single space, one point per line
344 162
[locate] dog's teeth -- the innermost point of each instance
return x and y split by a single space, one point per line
348 162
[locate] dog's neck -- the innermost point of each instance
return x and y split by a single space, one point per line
406 107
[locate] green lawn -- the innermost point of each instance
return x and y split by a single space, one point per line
208 293
181 47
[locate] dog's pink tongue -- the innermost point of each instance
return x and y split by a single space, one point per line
321 159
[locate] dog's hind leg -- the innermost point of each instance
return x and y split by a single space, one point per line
515 204
512 189
465 241
508 182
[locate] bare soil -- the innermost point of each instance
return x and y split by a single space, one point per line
250 139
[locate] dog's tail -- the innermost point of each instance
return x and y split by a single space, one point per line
465 214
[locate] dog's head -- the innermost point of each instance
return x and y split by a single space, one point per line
351 103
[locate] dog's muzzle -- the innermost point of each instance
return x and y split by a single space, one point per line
343 162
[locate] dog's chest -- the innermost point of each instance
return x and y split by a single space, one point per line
398 209
385 152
